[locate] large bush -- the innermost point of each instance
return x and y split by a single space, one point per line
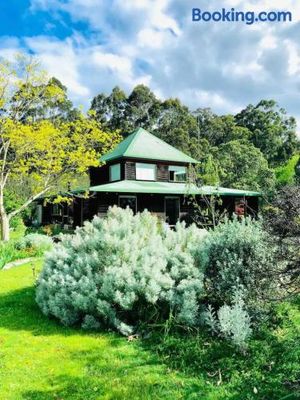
121 271
237 255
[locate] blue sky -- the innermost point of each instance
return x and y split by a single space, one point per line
94 45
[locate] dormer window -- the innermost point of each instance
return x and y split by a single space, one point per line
115 172
177 173
145 172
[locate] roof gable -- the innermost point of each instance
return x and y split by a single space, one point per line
142 144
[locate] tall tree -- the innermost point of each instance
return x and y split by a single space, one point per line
44 100
219 129
282 220
272 130
39 153
110 109
177 126
243 166
141 110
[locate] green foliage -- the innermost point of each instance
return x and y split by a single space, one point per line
42 360
282 220
122 271
268 369
286 174
272 131
219 129
242 166
9 253
236 151
32 245
210 175
237 254
36 242
75 365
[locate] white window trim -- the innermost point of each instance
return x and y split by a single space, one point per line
148 180
176 166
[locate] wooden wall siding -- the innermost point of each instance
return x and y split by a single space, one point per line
162 172
130 170
104 201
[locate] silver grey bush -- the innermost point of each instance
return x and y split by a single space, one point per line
121 271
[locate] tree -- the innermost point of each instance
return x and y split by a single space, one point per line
282 220
116 111
242 166
210 175
47 100
219 129
141 110
272 131
38 153
177 126
287 174
110 109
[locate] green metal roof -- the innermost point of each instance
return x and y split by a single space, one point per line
142 144
128 186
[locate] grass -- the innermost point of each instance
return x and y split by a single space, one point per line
10 252
42 360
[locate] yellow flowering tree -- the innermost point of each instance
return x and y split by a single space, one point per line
40 153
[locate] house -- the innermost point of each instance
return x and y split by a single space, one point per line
144 172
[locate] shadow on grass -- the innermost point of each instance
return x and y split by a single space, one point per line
143 370
120 374
269 370
19 311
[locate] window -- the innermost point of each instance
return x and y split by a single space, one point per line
177 173
115 172
128 201
145 172
57 209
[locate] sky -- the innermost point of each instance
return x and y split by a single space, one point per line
94 45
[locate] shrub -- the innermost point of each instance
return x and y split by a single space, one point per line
233 322
121 271
9 253
36 242
237 254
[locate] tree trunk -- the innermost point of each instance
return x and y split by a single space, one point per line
4 226
4 219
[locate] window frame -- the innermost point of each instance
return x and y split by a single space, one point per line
124 196
177 166
146 180
57 207
110 174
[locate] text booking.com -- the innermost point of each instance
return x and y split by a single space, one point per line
248 17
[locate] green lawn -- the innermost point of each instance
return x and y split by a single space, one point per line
40 359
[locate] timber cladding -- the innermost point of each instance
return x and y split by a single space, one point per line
130 170
162 172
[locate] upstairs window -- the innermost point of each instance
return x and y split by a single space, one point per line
115 172
177 173
145 172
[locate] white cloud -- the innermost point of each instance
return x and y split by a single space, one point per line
220 65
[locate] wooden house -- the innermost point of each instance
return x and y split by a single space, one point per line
144 172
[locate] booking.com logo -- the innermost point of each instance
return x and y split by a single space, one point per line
249 17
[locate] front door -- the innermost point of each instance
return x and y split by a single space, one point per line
172 209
